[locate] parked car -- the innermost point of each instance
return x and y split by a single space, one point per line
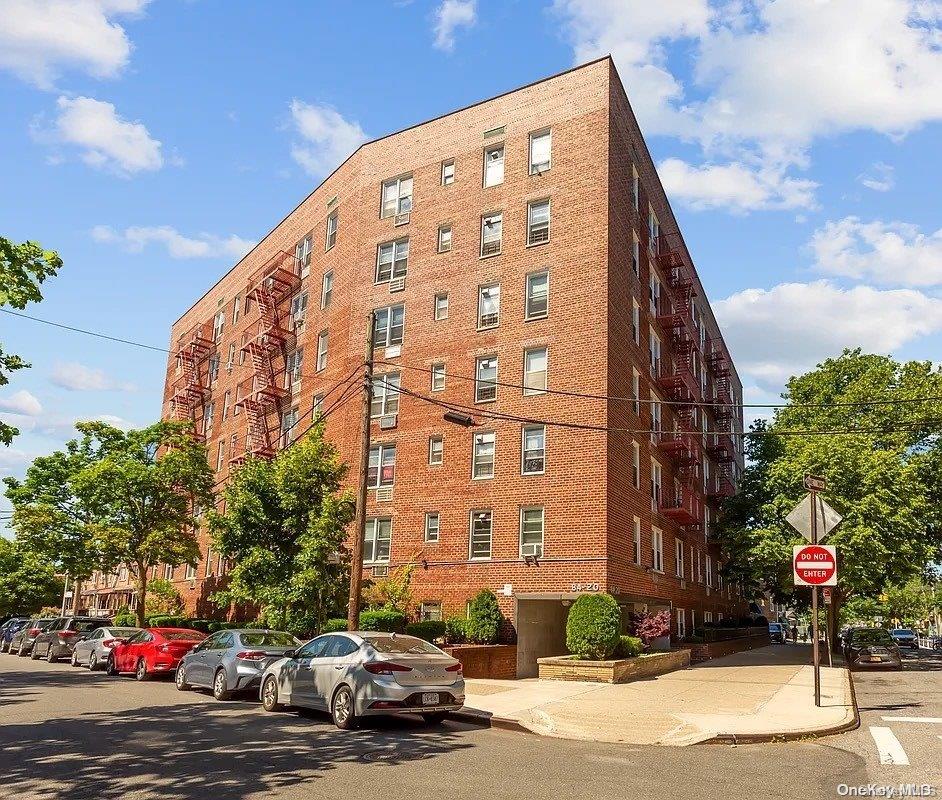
22 641
152 651
364 673
778 633
905 637
92 651
872 647
58 640
233 660
7 630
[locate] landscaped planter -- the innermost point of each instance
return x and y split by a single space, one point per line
706 651
621 670
485 660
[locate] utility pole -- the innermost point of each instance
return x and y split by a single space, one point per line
359 532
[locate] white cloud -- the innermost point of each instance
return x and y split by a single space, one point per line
203 245
449 16
778 332
21 403
40 38
880 177
327 137
105 140
888 253
78 378
735 187
13 460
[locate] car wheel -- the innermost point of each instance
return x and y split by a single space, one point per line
110 667
180 678
435 717
20 651
140 673
92 662
342 709
73 662
270 695
34 653
51 657
220 689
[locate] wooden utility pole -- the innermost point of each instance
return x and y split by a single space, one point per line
359 532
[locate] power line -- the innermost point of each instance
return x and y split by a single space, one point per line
86 332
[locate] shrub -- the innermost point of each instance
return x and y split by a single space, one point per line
456 630
225 626
483 618
429 629
383 620
629 646
124 619
333 625
593 626
653 626
198 624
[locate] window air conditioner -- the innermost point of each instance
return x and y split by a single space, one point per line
397 284
384 494
388 421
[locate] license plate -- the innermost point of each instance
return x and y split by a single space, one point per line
874 658
430 698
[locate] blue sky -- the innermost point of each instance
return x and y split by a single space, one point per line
151 143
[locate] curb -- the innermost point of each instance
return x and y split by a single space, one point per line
485 721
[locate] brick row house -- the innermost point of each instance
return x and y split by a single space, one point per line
524 267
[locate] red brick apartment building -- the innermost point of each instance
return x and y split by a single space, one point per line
524 264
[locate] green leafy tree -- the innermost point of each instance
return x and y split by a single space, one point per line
27 580
285 527
393 593
162 598
144 496
909 603
23 267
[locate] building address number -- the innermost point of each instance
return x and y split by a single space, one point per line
585 587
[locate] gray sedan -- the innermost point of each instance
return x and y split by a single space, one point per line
232 660
365 673
23 639
92 651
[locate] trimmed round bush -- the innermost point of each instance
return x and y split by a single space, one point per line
483 618
593 627
428 629
383 620
456 630
334 625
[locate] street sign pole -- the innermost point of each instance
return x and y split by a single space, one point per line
814 601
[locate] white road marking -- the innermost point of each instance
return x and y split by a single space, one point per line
888 746
930 720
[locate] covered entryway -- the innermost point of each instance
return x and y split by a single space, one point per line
541 631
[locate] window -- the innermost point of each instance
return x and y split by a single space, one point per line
448 172
537 301
709 571
485 379
220 453
482 458
636 524
654 294
376 540
540 151
327 289
438 377
218 322
636 389
481 535
293 368
635 465
382 467
489 306
213 368
678 558
657 549
531 531
533 460
430 612
708 616
236 308
331 230
225 404
441 306
397 196
302 254
494 165
230 360
432 527
699 565
317 407
392 260
321 350
436 450
190 572
655 482
635 321
654 353
535 364
444 238
681 623
491 233
538 222
635 254
385 395
209 562
289 425
654 230
388 325
168 572
208 413
656 422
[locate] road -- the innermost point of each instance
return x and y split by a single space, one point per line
70 733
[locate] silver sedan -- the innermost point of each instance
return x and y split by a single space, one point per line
366 673
92 650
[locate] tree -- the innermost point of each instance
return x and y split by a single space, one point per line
882 479
162 598
393 593
145 496
23 267
285 527
27 581
909 603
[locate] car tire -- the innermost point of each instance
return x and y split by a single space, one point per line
51 657
34 653
92 662
343 709
20 652
73 662
435 717
111 668
220 689
270 695
140 671
179 678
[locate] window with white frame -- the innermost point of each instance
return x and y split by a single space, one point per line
392 260
635 465
331 236
302 256
708 616
448 172
541 149
321 350
491 234
538 222
654 230
709 570
438 377
681 617
385 395
535 370
533 458
289 426
389 325
220 454
482 457
657 549
293 366
218 322
485 379
382 466
436 450
636 389
699 565
494 165
636 539
377 539
678 558
213 368
657 424
397 196
444 238
635 187
654 294
430 612
317 407
489 306
327 289
209 562
226 399
208 413
236 308
531 531
656 476
537 300
441 306
168 572
481 535
635 321
654 353
230 359
432 526
190 572
635 254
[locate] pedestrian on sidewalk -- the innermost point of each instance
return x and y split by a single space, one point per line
794 634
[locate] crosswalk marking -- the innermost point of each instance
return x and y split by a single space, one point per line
930 720
888 746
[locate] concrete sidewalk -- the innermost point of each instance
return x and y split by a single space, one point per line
764 692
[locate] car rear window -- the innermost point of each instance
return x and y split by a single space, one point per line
403 645
873 636
268 639
122 632
904 632
84 626
185 636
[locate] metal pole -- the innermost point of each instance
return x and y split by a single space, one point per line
359 532
814 605
65 588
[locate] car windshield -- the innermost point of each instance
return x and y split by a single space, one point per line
268 639
903 632
189 636
774 626
84 626
122 632
871 636
403 645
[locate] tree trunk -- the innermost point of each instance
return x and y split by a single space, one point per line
76 597
141 593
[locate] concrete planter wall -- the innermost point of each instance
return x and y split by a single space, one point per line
622 670
710 650
486 660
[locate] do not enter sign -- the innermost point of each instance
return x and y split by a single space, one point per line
815 565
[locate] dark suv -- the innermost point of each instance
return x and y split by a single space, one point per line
871 647
58 640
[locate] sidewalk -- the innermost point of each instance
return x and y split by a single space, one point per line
767 692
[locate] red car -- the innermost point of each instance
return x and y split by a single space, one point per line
152 651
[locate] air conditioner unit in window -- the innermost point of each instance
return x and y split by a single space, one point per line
402 219
388 421
397 284
384 494
393 351
380 572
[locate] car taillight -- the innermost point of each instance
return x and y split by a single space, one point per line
110 642
385 667
66 634
251 655
33 632
455 668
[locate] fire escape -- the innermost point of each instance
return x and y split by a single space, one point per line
264 346
189 389
720 443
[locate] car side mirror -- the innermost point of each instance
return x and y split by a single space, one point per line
291 653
